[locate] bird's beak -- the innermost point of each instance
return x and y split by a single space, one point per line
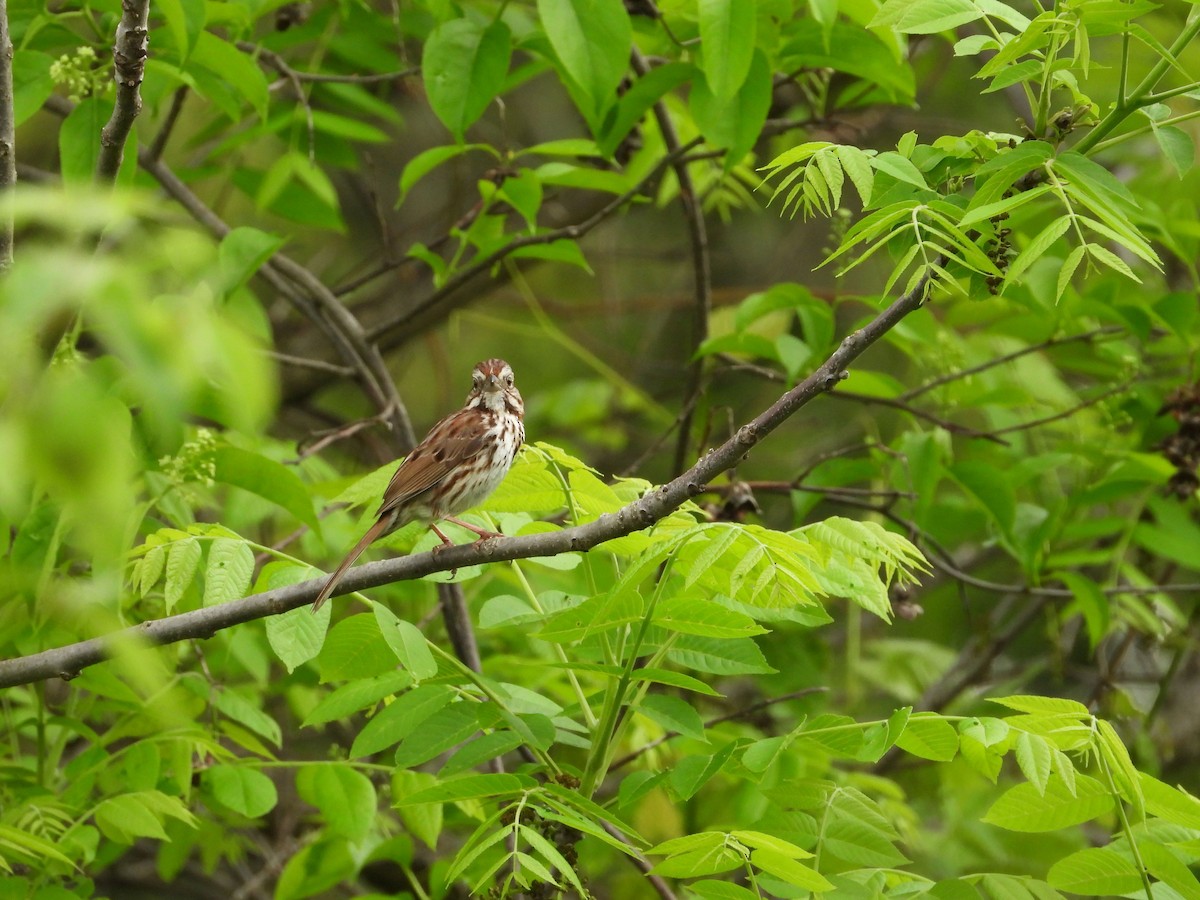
492 384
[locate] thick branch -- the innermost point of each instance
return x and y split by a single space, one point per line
129 66
8 142
68 661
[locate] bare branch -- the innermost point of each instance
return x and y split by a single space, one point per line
8 141
701 267
642 513
129 67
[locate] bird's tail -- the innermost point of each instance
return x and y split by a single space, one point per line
375 532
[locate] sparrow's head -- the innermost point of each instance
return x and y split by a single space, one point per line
492 386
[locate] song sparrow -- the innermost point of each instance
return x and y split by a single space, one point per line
462 460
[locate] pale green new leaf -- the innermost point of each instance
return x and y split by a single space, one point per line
1022 808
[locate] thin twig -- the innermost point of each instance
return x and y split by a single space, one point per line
894 403
641 863
377 78
8 140
129 67
303 362
1007 357
279 64
68 661
701 268
742 713
1066 413
155 151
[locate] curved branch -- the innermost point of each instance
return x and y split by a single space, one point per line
66 662
8 141
129 67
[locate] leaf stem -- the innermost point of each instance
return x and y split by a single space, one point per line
1125 826
589 717
1141 95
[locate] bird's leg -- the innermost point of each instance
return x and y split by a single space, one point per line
446 542
482 532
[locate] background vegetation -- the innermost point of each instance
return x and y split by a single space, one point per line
761 628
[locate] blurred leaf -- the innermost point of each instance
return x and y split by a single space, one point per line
727 44
268 479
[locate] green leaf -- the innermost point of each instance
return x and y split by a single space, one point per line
400 718
1050 706
634 103
428 160
242 253
693 772
464 67
1036 248
735 122
407 643
183 562
718 656
297 635
693 615
233 77
925 16
1171 803
355 648
1022 808
781 866
230 567
929 736
990 488
356 695
673 714
469 787
445 729
246 791
79 140
1176 145
726 44
591 40
594 615
243 711
268 479
1169 869
1068 270
1091 602
32 83
345 797
899 167
1035 756
185 21
1095 872
126 817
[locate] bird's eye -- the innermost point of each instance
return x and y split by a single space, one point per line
508 379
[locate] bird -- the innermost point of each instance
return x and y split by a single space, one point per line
458 464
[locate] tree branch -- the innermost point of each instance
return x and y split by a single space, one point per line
701 267
8 141
68 661
129 67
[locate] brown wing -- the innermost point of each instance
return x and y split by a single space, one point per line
450 443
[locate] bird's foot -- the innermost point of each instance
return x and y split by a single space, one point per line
483 533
